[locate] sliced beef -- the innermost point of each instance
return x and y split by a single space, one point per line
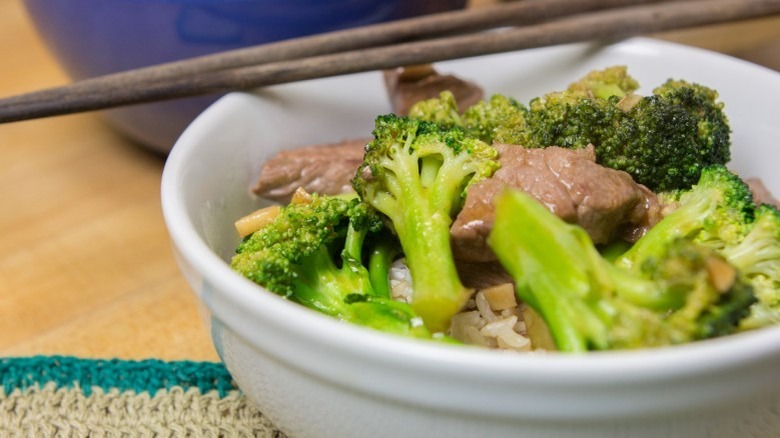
607 203
325 169
409 85
761 194
482 275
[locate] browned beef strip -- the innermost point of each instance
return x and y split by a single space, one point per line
409 85
607 203
482 275
325 169
761 194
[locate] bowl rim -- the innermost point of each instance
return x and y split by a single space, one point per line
709 357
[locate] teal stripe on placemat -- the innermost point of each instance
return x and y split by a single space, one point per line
149 375
70 396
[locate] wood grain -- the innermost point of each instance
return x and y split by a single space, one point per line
85 263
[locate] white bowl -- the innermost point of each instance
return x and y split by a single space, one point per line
314 376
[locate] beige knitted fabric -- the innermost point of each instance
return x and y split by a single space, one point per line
52 411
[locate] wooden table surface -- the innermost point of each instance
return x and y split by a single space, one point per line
86 267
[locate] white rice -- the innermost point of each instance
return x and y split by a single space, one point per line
400 282
477 323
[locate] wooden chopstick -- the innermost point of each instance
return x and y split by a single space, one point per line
470 20
219 75
455 22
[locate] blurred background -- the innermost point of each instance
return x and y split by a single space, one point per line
85 264
96 37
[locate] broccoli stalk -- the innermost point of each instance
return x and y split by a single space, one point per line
715 212
416 173
314 254
590 304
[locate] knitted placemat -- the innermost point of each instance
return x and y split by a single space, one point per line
67 396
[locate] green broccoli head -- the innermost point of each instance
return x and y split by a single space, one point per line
583 114
287 255
758 256
416 173
717 295
603 84
442 110
759 252
666 139
590 304
499 120
569 120
316 254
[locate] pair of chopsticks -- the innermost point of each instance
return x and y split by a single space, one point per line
460 34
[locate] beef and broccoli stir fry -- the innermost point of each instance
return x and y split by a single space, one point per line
591 218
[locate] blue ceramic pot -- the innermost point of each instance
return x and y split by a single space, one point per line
95 37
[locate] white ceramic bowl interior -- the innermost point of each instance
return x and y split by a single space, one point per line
314 376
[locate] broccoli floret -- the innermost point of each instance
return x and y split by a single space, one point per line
313 254
499 120
715 212
713 133
666 139
583 114
442 110
718 296
570 120
603 84
416 173
758 257
590 304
